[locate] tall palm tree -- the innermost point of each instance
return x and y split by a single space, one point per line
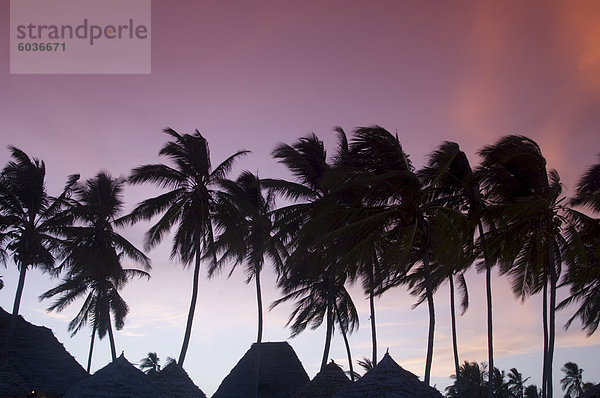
29 216
189 204
313 266
243 218
150 364
93 254
526 215
573 380
516 383
417 228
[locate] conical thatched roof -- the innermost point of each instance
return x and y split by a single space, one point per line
35 360
325 384
281 373
175 382
388 380
119 379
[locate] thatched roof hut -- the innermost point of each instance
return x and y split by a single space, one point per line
388 380
325 384
175 382
35 361
281 373
119 379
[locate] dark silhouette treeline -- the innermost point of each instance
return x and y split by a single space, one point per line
362 214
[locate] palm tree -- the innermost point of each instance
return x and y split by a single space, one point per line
474 384
532 392
29 216
583 247
244 218
150 364
525 216
189 204
417 229
516 383
313 265
573 380
93 253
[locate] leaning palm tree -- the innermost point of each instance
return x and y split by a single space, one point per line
572 383
189 204
28 218
93 254
150 364
525 218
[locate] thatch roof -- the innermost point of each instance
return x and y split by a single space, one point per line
119 379
175 382
325 384
593 392
388 380
35 360
281 373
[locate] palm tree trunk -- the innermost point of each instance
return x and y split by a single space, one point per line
454 342
260 331
552 327
372 310
488 288
344 328
429 293
190 319
490 326
16 305
111 338
89 364
329 334
545 320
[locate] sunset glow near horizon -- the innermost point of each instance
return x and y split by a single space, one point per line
250 76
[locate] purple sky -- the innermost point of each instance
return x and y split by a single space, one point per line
251 75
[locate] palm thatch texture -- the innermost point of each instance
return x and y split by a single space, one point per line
388 380
35 361
173 381
281 373
119 379
325 384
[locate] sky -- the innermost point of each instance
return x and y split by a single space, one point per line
250 75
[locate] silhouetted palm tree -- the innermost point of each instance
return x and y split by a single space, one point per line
527 214
532 392
188 205
93 253
473 381
516 383
417 228
29 216
583 246
246 235
313 266
150 364
573 380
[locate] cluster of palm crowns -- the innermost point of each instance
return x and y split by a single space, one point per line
364 214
